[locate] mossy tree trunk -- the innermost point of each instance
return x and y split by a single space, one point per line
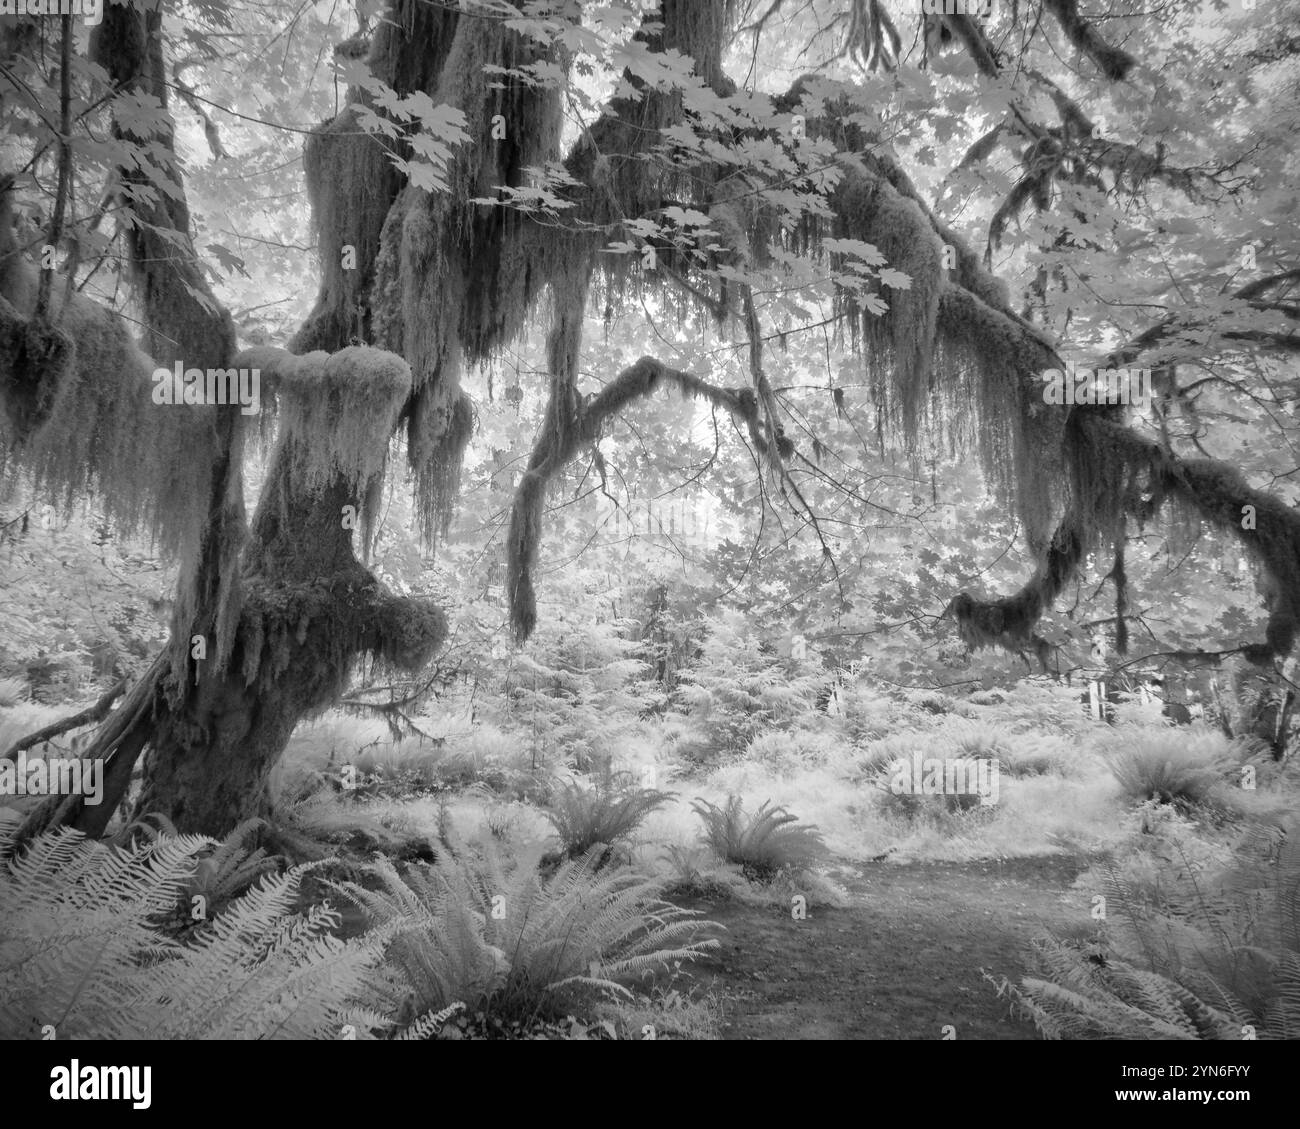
272 615
309 610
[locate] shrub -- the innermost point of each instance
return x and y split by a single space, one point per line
317 750
910 805
327 817
1221 960
867 713
1037 756
877 755
585 817
739 689
791 752
688 740
992 697
1043 708
517 944
691 873
502 761
976 739
762 843
1185 766
933 702
21 718
404 767
672 1014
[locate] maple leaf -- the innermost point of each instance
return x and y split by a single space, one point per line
229 261
895 279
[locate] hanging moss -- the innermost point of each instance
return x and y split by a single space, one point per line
900 343
410 632
1271 537
351 179
1010 622
952 361
1101 470
949 359
437 456
336 411
448 279
410 44
169 471
33 360
1115 475
81 419
698 29
617 157
311 630
469 272
456 281
351 183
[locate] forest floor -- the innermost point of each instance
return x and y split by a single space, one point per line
903 960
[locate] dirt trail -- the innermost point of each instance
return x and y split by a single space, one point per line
901 962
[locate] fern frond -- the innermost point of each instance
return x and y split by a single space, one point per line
584 817
764 842
84 950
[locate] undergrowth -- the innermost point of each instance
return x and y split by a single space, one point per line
761 843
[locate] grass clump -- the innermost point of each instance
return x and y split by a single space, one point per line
1181 767
1036 756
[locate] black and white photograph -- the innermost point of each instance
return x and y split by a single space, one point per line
650 521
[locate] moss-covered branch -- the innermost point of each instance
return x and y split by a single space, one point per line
1113 62
77 720
1116 475
572 425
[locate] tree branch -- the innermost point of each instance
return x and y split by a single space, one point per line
97 712
572 426
1111 61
